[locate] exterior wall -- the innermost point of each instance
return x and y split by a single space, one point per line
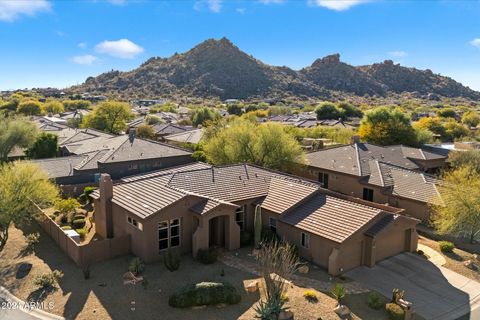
350 185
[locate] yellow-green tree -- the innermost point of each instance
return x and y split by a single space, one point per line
458 212
30 108
109 116
54 107
145 131
267 145
386 126
15 132
471 118
76 104
23 187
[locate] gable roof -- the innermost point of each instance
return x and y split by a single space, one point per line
60 167
191 136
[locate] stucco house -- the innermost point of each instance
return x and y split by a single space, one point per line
197 206
393 175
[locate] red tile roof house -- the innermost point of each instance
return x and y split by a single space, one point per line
392 175
198 206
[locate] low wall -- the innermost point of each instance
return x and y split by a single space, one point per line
85 254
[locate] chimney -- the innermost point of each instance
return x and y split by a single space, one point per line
355 139
103 216
131 135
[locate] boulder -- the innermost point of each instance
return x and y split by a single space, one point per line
303 269
476 257
468 264
342 311
285 315
252 287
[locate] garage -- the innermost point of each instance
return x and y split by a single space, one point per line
389 244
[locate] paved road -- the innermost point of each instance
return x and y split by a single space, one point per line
436 292
11 308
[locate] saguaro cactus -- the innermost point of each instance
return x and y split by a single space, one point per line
258 225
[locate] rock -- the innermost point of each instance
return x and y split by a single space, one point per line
252 287
221 305
81 211
468 264
303 269
285 315
199 307
342 310
476 257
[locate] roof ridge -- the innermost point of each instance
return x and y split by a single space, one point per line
396 167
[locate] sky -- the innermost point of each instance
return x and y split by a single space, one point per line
60 43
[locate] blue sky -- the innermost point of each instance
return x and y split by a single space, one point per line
61 43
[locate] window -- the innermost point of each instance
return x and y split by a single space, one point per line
273 224
169 234
134 223
367 194
305 242
323 179
240 217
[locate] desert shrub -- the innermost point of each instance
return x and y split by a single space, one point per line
82 232
420 252
32 239
46 280
78 216
245 238
64 218
375 301
66 228
395 312
310 295
78 223
207 256
268 235
171 260
205 293
446 246
338 292
136 266
269 309
67 205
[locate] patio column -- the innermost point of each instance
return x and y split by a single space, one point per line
200 237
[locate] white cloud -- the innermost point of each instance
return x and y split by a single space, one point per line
241 10
82 45
122 48
87 59
271 1
10 10
398 54
212 5
475 42
337 5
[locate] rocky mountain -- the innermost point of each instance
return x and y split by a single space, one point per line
217 68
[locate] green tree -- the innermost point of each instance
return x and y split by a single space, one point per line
348 110
109 116
15 132
45 146
30 108
73 105
386 126
458 212
446 113
234 109
266 145
470 158
201 115
145 131
54 107
23 187
471 118
328 110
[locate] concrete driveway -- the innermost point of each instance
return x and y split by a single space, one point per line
436 292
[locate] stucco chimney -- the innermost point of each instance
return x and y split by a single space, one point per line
104 214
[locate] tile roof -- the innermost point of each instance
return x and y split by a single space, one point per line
60 167
331 217
170 128
204 206
168 172
380 225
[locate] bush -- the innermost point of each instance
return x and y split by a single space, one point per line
47 280
82 232
67 205
136 266
375 301
338 292
66 228
245 238
171 260
207 256
205 293
64 219
78 223
32 239
446 246
310 295
395 312
78 216
269 236
420 252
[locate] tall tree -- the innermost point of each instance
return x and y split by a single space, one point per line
387 126
15 132
267 145
30 108
459 213
200 116
110 116
23 187
45 146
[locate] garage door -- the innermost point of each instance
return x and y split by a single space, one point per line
352 255
389 244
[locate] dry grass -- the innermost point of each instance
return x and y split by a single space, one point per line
104 296
455 259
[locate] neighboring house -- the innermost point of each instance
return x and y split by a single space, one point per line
165 129
198 206
89 153
391 175
192 136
